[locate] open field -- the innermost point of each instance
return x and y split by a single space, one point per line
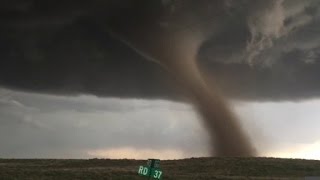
194 168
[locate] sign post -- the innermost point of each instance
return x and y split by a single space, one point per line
152 170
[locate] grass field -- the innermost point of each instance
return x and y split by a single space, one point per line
194 168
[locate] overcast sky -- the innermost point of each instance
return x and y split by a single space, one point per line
48 126
82 79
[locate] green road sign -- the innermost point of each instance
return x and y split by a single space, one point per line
151 170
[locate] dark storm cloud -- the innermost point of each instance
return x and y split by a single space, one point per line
283 64
258 49
72 56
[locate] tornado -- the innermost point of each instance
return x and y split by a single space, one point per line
177 53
